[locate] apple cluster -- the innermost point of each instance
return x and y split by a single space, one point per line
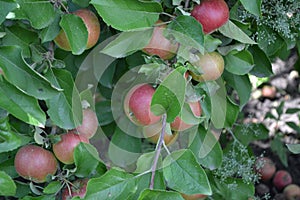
43 162
137 107
281 179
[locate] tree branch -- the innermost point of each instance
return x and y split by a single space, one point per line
157 151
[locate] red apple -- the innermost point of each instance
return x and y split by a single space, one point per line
179 125
35 163
265 167
159 45
89 125
78 188
210 66
137 105
194 196
64 149
93 27
153 131
281 179
211 14
292 192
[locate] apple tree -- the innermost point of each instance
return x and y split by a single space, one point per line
130 99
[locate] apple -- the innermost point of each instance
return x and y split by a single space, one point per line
93 27
194 196
159 45
64 149
78 188
265 167
35 163
281 179
211 14
153 131
179 125
268 91
292 192
262 189
137 105
89 125
210 66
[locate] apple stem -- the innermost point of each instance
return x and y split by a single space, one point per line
166 148
158 150
187 3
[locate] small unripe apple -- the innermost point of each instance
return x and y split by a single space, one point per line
35 163
265 167
89 125
93 27
64 149
153 131
194 196
211 14
179 125
281 179
137 105
159 45
292 192
78 188
210 65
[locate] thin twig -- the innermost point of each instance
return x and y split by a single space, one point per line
157 151
187 3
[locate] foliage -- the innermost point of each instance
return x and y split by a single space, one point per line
43 90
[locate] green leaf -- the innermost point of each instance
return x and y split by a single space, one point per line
104 112
51 31
232 188
5 7
52 187
11 141
18 73
114 185
294 148
188 32
145 161
253 7
207 149
126 43
67 113
134 14
262 64
279 148
232 112
86 159
239 63
294 126
159 194
82 3
241 84
39 12
20 105
169 96
268 40
124 149
143 183
233 31
211 43
7 185
184 174
16 35
76 32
